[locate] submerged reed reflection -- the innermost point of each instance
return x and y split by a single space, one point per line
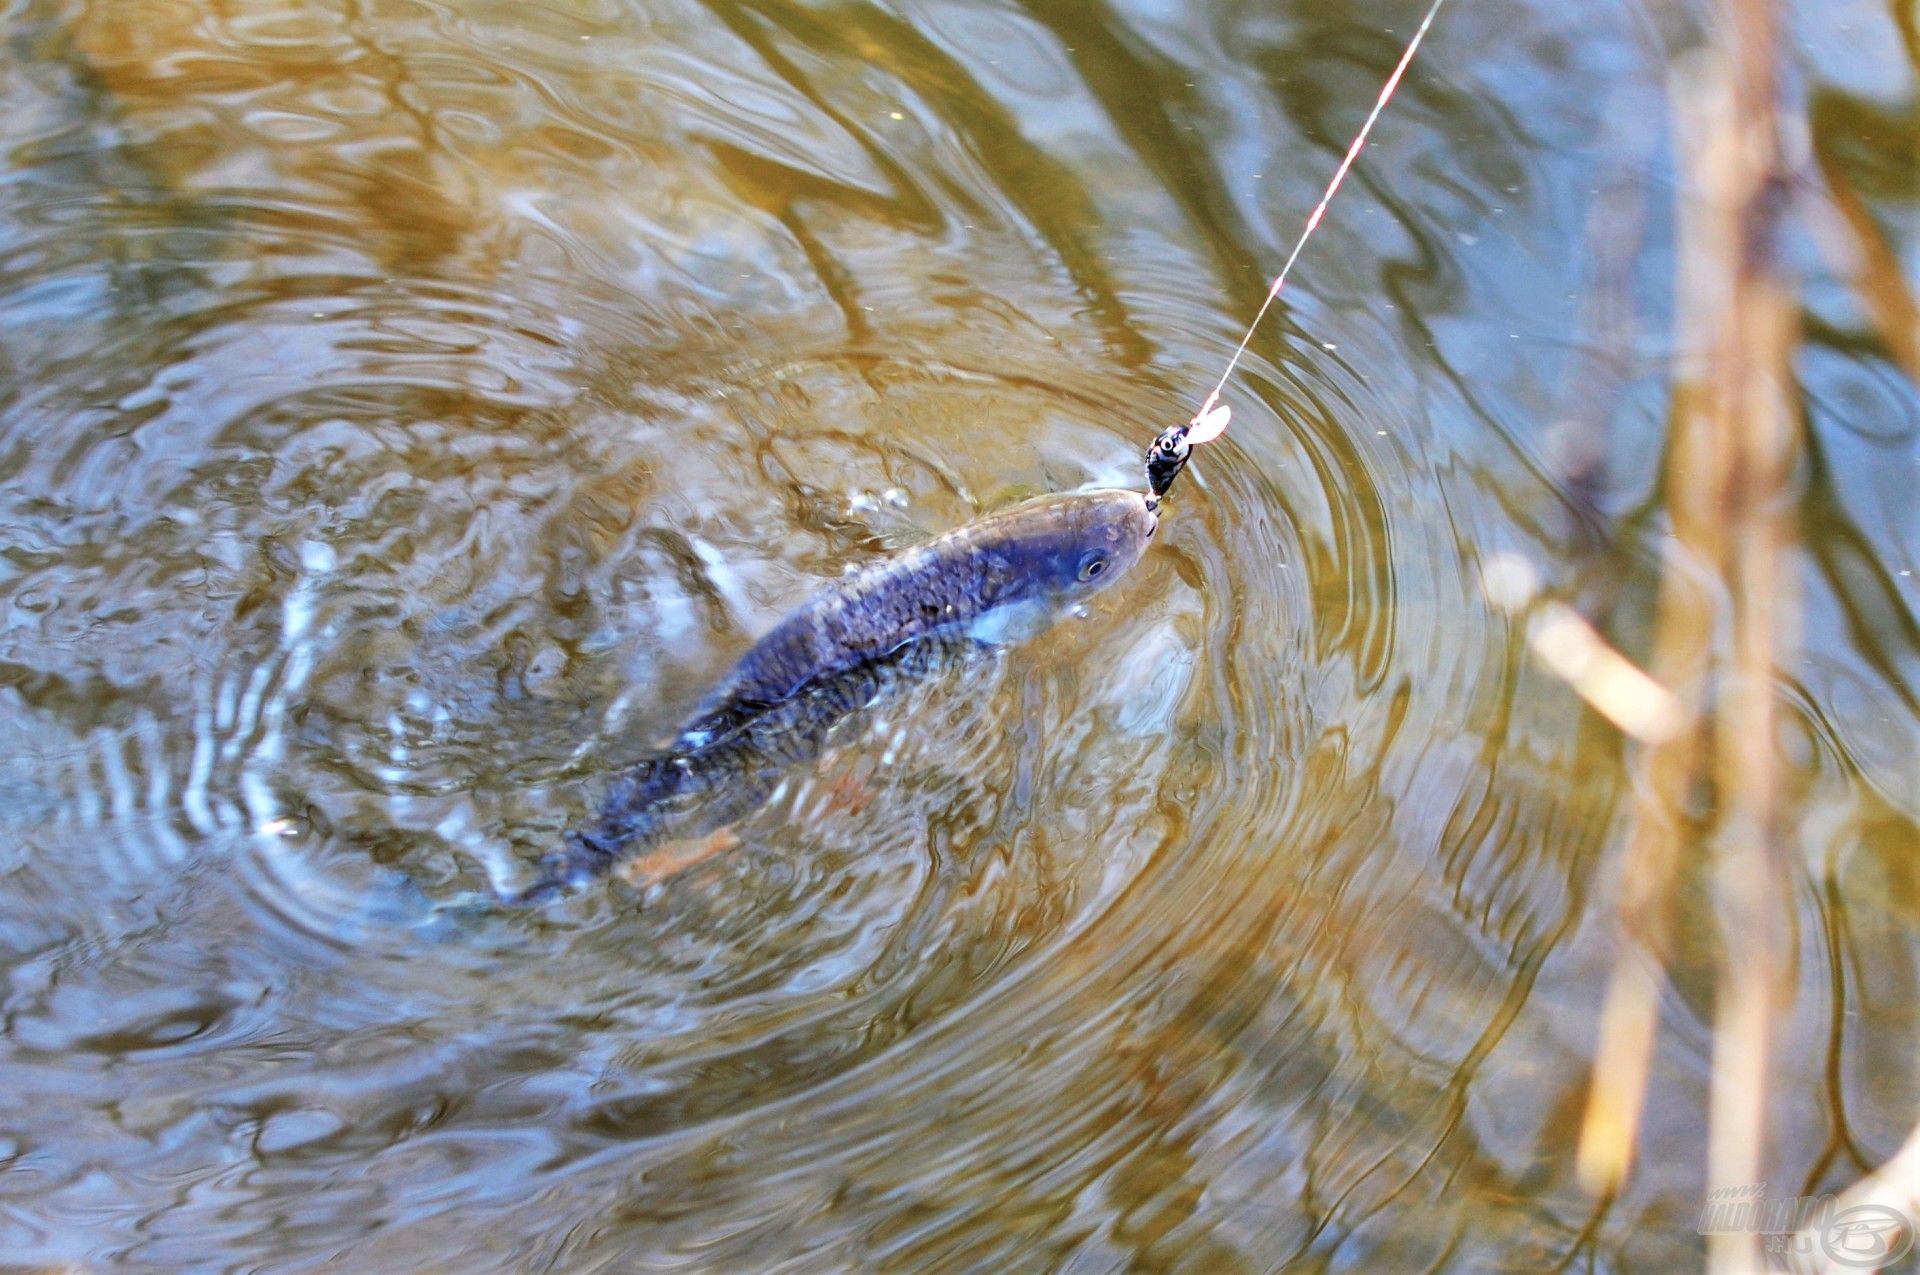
408 410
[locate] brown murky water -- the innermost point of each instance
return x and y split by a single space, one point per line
408 409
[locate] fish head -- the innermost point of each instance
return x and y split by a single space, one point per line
1078 544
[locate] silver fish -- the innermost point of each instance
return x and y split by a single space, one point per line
891 619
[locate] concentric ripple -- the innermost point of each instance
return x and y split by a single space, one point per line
409 410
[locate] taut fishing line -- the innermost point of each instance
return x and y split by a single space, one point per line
1169 452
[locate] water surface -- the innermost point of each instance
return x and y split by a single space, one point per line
407 411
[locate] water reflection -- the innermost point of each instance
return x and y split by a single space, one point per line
407 411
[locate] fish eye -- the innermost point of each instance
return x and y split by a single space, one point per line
1093 565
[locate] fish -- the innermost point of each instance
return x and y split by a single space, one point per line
889 620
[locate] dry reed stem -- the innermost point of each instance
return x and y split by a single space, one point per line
1860 251
1630 1013
1742 180
1728 464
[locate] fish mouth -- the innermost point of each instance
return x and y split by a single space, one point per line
1147 507
1125 514
1136 524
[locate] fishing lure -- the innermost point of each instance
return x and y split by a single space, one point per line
1172 448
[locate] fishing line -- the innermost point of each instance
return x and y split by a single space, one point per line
1170 451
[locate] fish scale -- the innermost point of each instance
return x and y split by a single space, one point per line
950 580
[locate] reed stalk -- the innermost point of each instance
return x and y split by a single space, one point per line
1722 627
